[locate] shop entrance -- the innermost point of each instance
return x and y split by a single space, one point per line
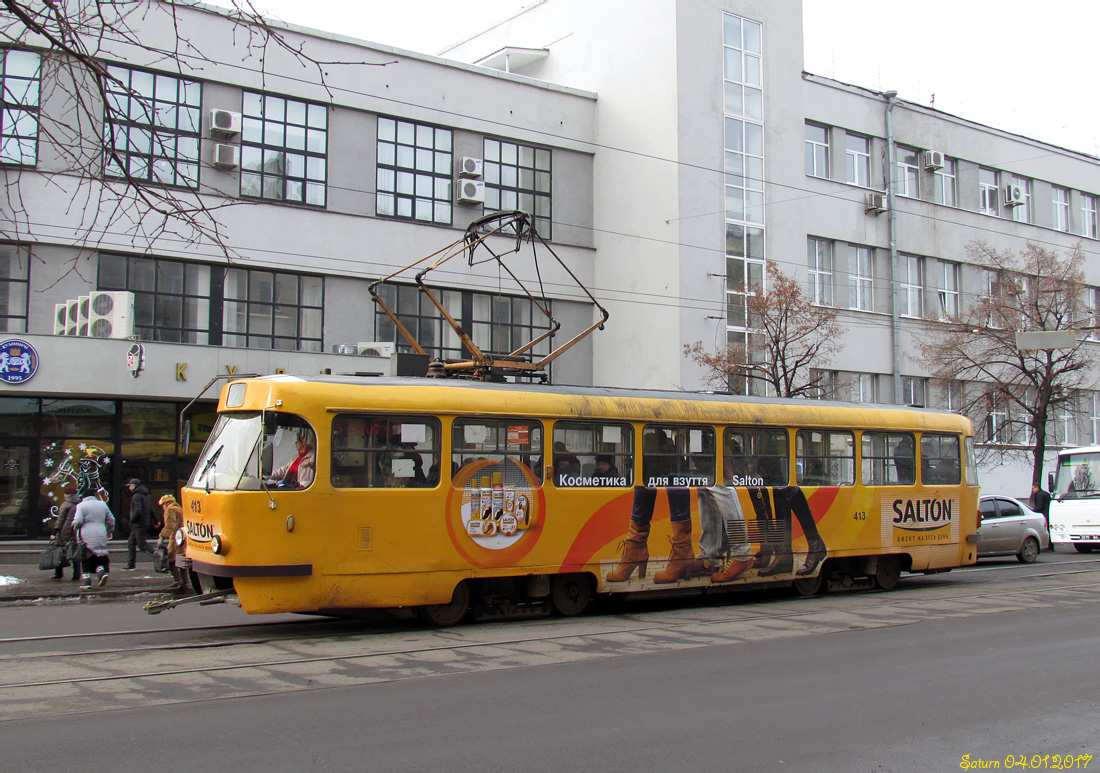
19 513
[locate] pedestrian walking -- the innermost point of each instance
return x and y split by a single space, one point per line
63 533
93 525
141 521
173 520
1040 503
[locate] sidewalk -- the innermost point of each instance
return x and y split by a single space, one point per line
21 579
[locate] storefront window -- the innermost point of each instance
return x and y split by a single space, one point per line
18 417
71 463
78 418
149 421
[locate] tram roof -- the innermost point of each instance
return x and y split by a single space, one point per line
654 404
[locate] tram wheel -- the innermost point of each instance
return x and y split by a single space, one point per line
889 572
446 615
809 586
570 593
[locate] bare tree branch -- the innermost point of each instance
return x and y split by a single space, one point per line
790 340
80 147
1037 290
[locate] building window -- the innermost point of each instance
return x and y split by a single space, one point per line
744 271
951 395
945 180
518 177
151 127
820 258
949 290
1094 417
865 388
1065 425
817 150
20 73
987 187
1088 216
195 303
284 147
912 286
14 268
171 297
1092 309
744 171
914 391
414 171
858 157
860 278
1059 200
908 179
742 69
1021 212
997 430
272 310
828 384
498 324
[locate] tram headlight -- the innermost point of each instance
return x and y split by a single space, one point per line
179 537
217 544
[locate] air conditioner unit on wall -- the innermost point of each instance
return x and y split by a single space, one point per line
224 123
471 192
83 305
60 318
377 348
933 159
469 167
72 315
111 315
1014 195
874 202
227 156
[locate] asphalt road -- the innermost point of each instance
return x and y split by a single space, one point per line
991 661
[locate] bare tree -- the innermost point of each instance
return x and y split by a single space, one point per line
82 101
790 340
1037 290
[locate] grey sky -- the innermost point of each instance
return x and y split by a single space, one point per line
1025 69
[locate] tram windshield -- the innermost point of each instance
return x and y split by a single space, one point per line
248 451
1078 476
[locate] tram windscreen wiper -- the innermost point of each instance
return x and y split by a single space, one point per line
210 463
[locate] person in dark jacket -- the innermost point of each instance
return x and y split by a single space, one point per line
141 521
1040 503
64 531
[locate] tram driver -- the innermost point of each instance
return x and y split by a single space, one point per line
299 472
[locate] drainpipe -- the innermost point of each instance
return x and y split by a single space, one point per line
892 168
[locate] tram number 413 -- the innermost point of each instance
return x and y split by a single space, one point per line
859 516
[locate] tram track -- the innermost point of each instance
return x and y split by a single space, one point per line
449 643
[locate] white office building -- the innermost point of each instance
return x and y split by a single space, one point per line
665 151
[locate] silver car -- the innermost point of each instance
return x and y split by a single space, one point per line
1011 528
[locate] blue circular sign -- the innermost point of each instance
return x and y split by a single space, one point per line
18 361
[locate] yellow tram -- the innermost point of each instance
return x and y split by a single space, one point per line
329 494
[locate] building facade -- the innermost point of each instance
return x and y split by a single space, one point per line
665 150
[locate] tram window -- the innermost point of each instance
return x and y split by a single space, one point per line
593 454
755 457
288 453
384 451
889 459
497 440
677 456
825 457
939 460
